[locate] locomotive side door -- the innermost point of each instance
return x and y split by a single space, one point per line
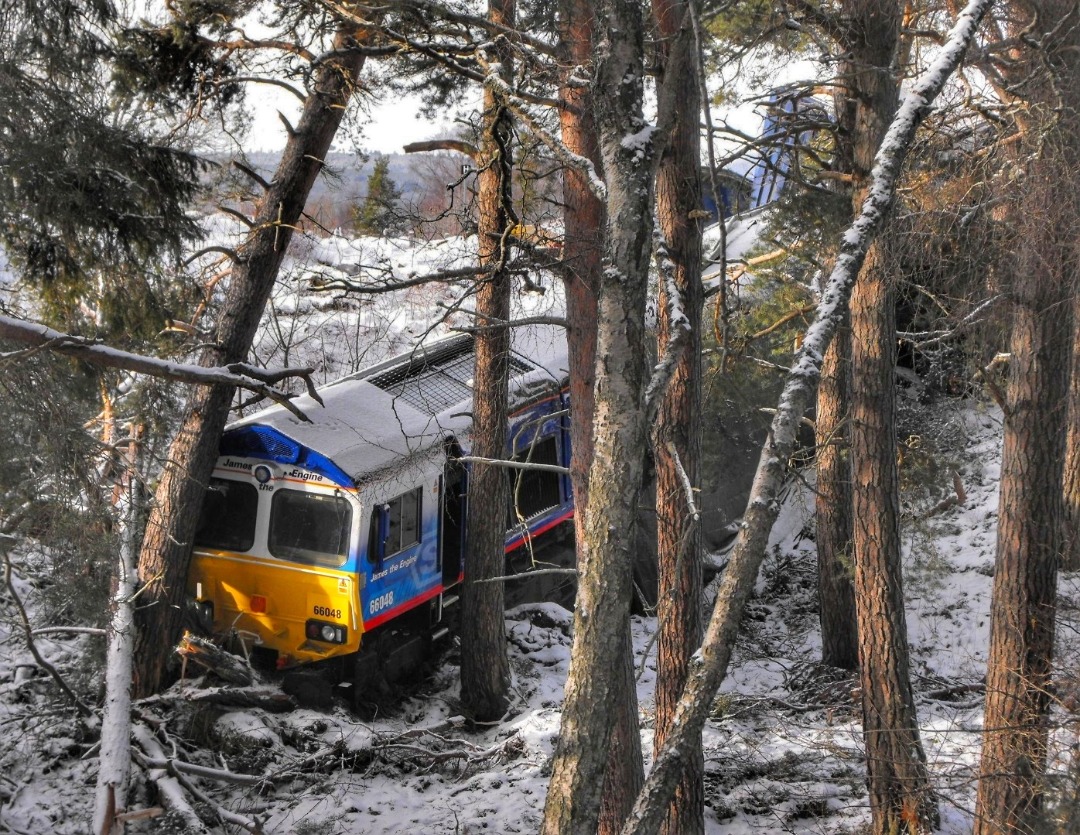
454 514
402 552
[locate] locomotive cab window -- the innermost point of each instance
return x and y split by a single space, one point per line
395 525
228 515
310 528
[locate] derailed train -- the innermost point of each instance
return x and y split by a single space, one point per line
342 540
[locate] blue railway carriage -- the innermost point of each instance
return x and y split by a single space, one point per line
318 540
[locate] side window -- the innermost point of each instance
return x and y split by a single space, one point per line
534 491
401 518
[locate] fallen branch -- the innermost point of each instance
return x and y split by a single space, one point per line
241 375
272 701
169 788
175 786
173 765
28 634
224 665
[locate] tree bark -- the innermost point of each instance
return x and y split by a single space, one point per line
166 549
897 780
832 508
583 241
485 666
1071 473
709 665
1028 543
1030 509
598 654
677 434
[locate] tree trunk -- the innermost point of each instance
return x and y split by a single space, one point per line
1071 477
1025 568
485 666
898 783
598 655
583 219
583 243
709 665
677 435
1030 508
166 548
114 761
832 508
900 796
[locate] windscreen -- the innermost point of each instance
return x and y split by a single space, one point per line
228 515
310 528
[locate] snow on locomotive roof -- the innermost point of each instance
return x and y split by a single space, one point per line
384 416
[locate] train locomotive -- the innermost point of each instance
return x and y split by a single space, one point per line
338 544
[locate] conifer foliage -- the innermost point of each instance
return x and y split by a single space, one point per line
379 213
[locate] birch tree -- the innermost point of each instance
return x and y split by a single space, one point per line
709 665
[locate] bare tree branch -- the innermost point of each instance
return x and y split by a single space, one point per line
241 375
458 145
28 634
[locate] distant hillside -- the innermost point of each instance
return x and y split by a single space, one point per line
348 174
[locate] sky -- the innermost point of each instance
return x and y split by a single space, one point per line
391 124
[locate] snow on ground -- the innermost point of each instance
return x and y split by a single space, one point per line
783 750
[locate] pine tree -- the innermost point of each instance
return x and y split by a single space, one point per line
90 197
379 214
485 665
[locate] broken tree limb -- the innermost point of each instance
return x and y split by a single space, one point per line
225 665
270 700
169 775
170 791
709 665
174 765
466 148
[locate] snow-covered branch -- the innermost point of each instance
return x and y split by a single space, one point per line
28 634
515 465
241 375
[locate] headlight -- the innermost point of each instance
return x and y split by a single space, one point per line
330 633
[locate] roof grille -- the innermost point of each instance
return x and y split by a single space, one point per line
438 378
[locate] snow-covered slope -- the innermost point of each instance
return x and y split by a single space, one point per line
783 751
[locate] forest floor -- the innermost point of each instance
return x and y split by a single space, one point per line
783 750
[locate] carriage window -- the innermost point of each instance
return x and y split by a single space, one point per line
228 515
534 491
310 527
402 526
